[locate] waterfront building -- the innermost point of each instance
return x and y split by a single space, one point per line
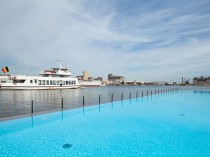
201 81
85 75
79 77
100 78
90 79
115 78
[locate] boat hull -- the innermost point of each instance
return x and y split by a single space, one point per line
38 87
31 82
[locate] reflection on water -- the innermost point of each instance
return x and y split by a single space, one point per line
201 92
18 102
39 96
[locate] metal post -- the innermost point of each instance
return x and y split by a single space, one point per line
151 92
137 94
130 95
62 103
99 99
112 98
121 96
83 100
147 92
32 107
155 91
142 93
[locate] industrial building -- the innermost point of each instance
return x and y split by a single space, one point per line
115 78
201 81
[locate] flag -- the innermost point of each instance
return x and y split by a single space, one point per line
5 69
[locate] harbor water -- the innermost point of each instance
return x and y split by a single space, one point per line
19 102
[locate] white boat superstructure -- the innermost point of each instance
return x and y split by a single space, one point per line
54 78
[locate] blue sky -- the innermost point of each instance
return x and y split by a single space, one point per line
157 40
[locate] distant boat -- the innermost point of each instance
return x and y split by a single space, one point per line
54 78
91 83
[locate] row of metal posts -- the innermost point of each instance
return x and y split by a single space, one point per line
112 97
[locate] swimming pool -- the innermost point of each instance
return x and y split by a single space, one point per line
169 124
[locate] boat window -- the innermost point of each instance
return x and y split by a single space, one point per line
51 82
3 81
47 82
57 82
35 81
64 82
31 81
19 81
39 82
74 82
54 82
43 82
67 82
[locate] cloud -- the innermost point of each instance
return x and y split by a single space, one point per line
141 40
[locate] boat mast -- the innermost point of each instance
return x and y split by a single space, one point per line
60 65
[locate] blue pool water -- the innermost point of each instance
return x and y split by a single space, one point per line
169 124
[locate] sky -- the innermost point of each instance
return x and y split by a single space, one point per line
156 40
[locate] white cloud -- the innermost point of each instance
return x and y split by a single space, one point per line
155 44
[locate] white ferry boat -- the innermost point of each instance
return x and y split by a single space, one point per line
54 78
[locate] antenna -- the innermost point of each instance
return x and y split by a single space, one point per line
59 61
65 65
